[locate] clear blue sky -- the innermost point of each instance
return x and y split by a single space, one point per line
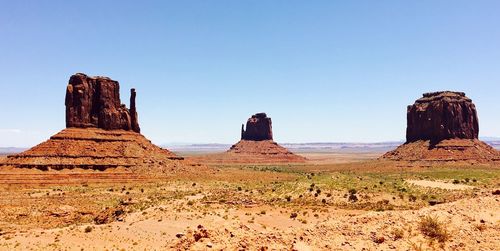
323 70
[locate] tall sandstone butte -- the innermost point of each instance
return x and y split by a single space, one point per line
442 115
443 126
259 127
257 145
101 133
95 102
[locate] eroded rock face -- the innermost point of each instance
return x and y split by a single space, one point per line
442 115
259 127
95 102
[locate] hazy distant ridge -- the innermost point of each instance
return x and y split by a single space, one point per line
296 147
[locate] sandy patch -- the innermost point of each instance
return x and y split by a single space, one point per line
439 184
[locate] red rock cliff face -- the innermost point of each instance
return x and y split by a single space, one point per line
95 102
442 115
259 127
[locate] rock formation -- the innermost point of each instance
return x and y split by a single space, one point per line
95 102
101 133
133 112
259 127
442 115
256 146
443 126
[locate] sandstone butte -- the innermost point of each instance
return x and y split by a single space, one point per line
100 133
443 126
256 146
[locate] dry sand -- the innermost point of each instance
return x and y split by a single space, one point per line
473 224
439 184
269 207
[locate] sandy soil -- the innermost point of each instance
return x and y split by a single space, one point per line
338 157
472 223
439 184
350 206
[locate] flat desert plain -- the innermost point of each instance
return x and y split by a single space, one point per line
332 202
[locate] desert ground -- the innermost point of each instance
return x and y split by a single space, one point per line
332 202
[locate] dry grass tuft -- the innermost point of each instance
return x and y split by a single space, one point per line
432 228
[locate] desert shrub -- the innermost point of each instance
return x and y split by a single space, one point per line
397 234
456 181
480 227
378 240
352 191
353 198
412 198
432 228
416 247
288 198
434 202
88 229
293 215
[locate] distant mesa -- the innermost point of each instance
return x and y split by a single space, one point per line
443 126
259 127
101 133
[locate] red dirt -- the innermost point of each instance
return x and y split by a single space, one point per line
248 151
469 150
98 149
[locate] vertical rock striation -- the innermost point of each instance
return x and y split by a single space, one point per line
259 127
443 126
101 133
95 102
442 115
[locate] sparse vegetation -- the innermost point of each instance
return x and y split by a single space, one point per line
397 234
294 193
88 229
432 228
